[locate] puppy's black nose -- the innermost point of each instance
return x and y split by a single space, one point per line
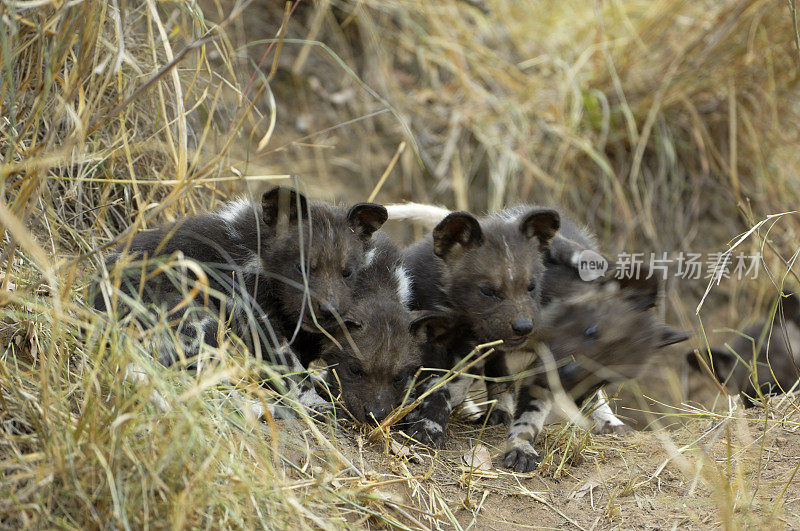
328 308
522 327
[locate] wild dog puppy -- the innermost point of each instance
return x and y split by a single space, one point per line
600 332
380 351
767 354
562 280
559 280
487 273
281 272
564 294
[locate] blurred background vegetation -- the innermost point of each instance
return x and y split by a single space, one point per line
664 125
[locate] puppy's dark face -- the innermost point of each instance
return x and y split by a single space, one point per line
606 332
334 243
777 359
727 368
493 270
378 359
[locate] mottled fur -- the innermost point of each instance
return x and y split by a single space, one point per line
274 290
773 346
487 273
382 344
615 345
601 333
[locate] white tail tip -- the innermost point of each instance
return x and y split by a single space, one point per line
426 214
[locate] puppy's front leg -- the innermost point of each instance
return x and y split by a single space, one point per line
427 423
603 418
533 407
500 394
302 389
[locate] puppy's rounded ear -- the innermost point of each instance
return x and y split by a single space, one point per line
700 362
456 233
366 218
352 323
693 361
281 202
641 291
669 336
791 306
430 325
719 365
540 224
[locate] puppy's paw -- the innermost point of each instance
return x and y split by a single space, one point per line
496 417
608 428
276 411
321 411
427 432
522 458
317 407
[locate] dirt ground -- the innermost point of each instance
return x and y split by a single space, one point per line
679 477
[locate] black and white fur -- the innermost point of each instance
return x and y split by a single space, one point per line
281 272
560 283
486 272
374 359
603 333
763 359
564 248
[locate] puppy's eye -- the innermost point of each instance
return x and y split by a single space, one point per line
487 291
531 287
404 377
591 333
355 370
347 272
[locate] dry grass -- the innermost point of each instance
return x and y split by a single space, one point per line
664 125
